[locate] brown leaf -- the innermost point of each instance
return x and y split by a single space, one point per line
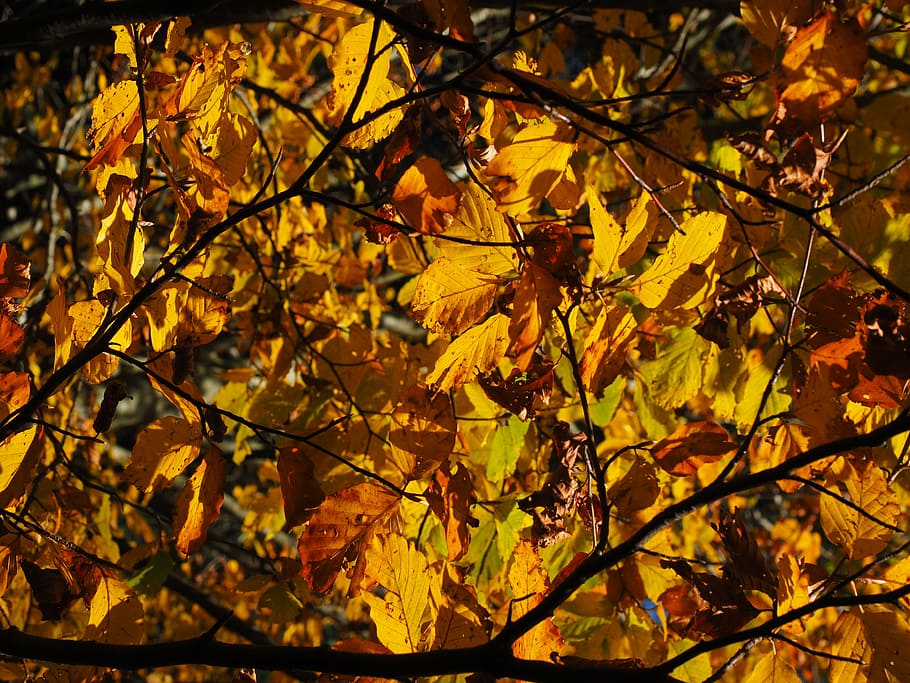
14 272
691 446
338 529
300 490
746 563
113 394
637 489
519 391
422 433
537 295
50 589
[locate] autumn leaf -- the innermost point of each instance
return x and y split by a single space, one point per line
637 489
772 669
450 298
450 497
400 617
426 197
860 534
681 277
86 318
774 21
199 503
338 529
20 454
531 167
537 295
460 620
618 246
116 122
605 347
115 614
478 350
528 582
15 272
691 446
821 69
348 62
422 432
163 450
300 490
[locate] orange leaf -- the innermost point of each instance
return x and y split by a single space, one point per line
450 497
426 197
536 296
199 503
605 347
14 391
11 337
637 489
338 530
821 68
14 272
691 446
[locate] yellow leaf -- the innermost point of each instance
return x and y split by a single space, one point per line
859 534
19 456
529 583
87 317
332 8
426 197
422 433
450 298
478 220
605 347
615 246
115 614
180 311
530 167
850 642
460 621
821 68
538 293
478 350
199 503
679 277
115 269
163 450
115 122
773 21
348 61
401 615
772 668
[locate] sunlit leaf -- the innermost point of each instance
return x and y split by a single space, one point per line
528 583
400 617
478 350
164 449
199 504
426 197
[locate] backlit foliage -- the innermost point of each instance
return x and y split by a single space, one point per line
549 345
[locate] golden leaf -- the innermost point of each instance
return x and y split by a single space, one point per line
115 614
774 21
616 247
772 669
478 350
605 347
19 456
860 535
163 450
537 295
199 503
529 583
821 68
681 277
339 528
530 167
401 615
348 61
478 221
450 298
422 433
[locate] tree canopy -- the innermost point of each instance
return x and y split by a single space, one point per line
371 340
